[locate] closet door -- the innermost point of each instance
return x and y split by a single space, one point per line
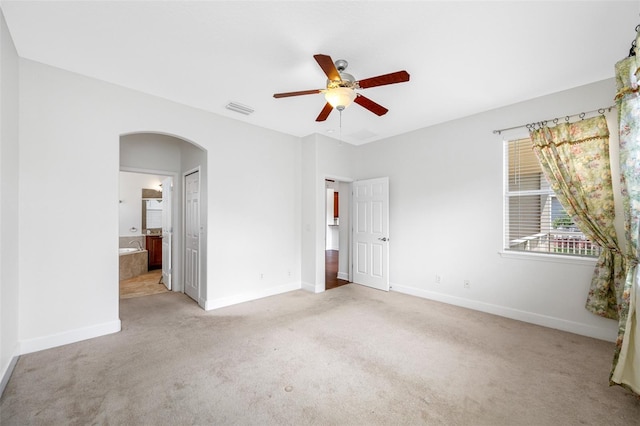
192 235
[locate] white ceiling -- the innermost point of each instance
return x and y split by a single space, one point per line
463 57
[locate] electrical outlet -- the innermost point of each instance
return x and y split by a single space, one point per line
467 284
438 279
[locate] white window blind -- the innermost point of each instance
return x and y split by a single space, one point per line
534 218
154 213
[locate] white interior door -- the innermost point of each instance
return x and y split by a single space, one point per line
192 235
371 233
167 231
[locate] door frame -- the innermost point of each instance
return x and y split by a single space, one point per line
322 268
167 234
176 284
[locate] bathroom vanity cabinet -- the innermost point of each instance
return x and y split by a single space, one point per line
154 247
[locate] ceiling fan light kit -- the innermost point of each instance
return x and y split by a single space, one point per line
340 91
340 97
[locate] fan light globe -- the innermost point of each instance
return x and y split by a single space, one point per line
340 97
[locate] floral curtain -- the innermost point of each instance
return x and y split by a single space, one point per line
626 363
575 161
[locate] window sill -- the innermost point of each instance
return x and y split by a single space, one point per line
543 257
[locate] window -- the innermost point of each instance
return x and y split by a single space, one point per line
535 221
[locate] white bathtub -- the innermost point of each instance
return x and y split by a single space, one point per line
125 250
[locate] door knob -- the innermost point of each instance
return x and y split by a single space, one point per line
383 239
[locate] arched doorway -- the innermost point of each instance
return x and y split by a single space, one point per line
159 154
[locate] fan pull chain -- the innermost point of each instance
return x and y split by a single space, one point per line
340 135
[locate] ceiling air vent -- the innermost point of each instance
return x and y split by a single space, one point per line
242 109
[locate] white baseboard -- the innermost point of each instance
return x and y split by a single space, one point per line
343 276
72 336
308 287
247 297
602 333
6 374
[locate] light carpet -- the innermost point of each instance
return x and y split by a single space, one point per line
349 356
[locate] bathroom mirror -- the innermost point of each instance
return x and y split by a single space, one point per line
151 211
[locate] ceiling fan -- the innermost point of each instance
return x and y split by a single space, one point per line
341 87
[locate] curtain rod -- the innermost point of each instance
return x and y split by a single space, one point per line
554 120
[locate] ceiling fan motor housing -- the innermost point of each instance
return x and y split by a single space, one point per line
346 79
341 65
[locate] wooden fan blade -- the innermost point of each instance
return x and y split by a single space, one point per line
381 80
303 92
370 105
325 112
326 63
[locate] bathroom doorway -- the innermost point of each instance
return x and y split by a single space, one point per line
145 233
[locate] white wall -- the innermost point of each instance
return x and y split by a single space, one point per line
254 192
446 218
130 196
309 211
149 151
9 219
70 128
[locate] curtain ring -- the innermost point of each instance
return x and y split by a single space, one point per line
582 114
555 121
601 111
566 119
